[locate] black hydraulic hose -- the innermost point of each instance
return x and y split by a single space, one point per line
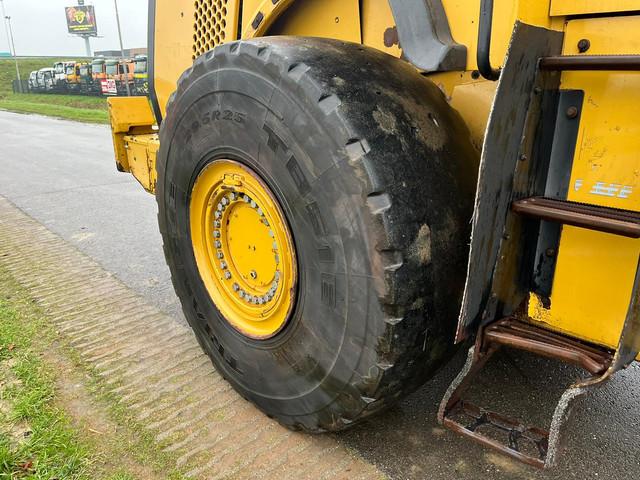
485 24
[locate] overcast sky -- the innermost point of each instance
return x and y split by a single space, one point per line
40 28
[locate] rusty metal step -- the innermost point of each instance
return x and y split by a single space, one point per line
625 223
591 62
529 444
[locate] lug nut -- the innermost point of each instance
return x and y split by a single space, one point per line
217 214
232 196
271 234
253 204
246 199
216 234
220 207
260 212
216 223
223 265
217 244
220 255
236 287
224 201
227 274
277 275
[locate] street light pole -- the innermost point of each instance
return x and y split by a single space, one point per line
115 2
12 45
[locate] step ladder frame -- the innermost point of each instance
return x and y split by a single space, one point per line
500 261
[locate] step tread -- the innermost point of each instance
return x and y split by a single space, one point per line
594 217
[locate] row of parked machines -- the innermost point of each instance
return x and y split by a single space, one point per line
103 76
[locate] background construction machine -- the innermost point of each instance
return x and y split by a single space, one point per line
125 76
73 77
45 80
141 75
85 78
317 195
60 75
98 75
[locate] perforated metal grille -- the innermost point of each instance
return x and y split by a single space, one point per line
214 23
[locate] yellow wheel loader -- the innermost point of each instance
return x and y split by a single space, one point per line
347 189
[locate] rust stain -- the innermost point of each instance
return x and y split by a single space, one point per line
390 37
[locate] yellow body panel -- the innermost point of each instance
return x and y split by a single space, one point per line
173 46
142 150
331 18
473 97
376 20
595 271
134 139
582 7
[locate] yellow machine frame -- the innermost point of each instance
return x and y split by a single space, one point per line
595 271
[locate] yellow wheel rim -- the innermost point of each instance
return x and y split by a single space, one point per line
243 248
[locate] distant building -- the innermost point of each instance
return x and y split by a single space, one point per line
128 52
5 54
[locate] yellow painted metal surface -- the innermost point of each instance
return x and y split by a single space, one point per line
595 271
243 248
128 112
473 97
463 22
314 18
173 45
377 21
582 7
141 150
184 29
134 140
215 22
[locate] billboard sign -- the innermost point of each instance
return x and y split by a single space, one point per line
109 87
81 20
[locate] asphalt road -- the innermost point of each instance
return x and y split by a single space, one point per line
63 175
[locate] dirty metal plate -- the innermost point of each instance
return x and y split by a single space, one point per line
500 154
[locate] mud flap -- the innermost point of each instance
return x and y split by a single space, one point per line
509 138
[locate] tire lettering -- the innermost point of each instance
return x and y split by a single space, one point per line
298 177
313 213
328 290
228 115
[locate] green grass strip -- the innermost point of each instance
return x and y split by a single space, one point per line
47 447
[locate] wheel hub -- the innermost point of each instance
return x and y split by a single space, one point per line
243 248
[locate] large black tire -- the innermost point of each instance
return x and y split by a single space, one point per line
375 173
